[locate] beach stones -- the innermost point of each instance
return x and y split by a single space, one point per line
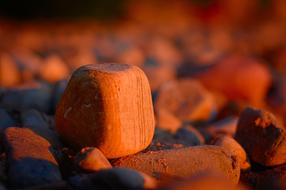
107 106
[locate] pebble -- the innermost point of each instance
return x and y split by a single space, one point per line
54 69
189 136
57 93
262 137
187 99
91 159
167 120
5 120
234 77
9 72
30 162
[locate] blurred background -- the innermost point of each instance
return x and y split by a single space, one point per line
235 49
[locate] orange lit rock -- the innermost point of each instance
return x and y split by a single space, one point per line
183 163
9 73
107 106
91 159
166 120
54 69
262 136
186 99
239 78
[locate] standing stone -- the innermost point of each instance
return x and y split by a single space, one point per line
107 106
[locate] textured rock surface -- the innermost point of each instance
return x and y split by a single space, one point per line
183 162
107 106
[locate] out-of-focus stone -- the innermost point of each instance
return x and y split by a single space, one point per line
158 74
91 159
167 120
29 158
116 178
37 122
9 72
54 69
132 56
30 96
189 136
239 78
57 93
5 120
262 136
186 99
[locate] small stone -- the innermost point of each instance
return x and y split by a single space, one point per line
262 136
233 76
116 178
158 75
57 93
91 159
54 69
189 136
5 120
186 99
30 96
30 162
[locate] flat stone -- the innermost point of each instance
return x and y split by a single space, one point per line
30 160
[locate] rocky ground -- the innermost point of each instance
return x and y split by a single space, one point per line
218 93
